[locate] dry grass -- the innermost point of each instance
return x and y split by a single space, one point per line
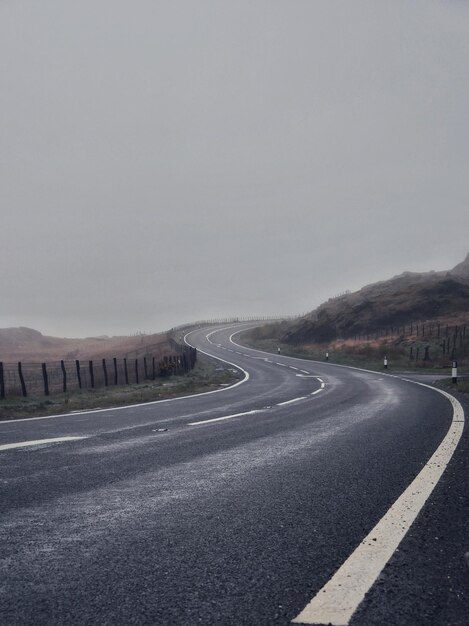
22 344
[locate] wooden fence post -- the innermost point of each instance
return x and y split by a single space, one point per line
64 377
153 368
23 386
145 370
2 383
136 371
46 379
90 367
126 373
77 365
106 382
115 370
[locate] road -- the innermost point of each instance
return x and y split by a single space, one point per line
239 506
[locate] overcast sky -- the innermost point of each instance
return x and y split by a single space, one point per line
167 161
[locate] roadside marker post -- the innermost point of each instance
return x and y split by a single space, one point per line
385 362
454 372
327 356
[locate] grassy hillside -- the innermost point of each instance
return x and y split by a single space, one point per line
26 344
416 319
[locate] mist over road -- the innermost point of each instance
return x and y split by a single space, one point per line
231 507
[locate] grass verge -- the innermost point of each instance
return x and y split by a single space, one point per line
447 383
369 359
207 375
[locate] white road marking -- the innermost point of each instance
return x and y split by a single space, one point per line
37 442
303 376
320 379
290 401
281 364
340 597
337 601
317 391
322 385
294 368
225 417
304 371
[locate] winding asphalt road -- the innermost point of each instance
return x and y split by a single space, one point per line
239 506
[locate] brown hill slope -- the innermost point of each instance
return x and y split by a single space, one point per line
403 299
28 345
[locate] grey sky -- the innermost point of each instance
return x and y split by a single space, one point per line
168 161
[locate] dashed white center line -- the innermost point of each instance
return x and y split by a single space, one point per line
290 401
37 442
225 417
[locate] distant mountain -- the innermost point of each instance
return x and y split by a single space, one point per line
462 269
406 298
26 344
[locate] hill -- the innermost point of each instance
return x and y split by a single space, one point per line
403 299
28 345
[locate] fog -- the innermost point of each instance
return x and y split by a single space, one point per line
168 161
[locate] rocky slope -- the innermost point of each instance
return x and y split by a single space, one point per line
406 298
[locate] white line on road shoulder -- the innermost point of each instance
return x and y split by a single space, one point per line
340 597
37 442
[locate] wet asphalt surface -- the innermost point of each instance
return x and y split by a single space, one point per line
238 521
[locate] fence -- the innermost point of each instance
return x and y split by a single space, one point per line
23 379
441 339
235 320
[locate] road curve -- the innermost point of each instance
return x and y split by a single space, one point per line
234 507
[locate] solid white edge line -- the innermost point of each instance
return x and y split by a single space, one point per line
336 602
317 391
225 417
37 442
